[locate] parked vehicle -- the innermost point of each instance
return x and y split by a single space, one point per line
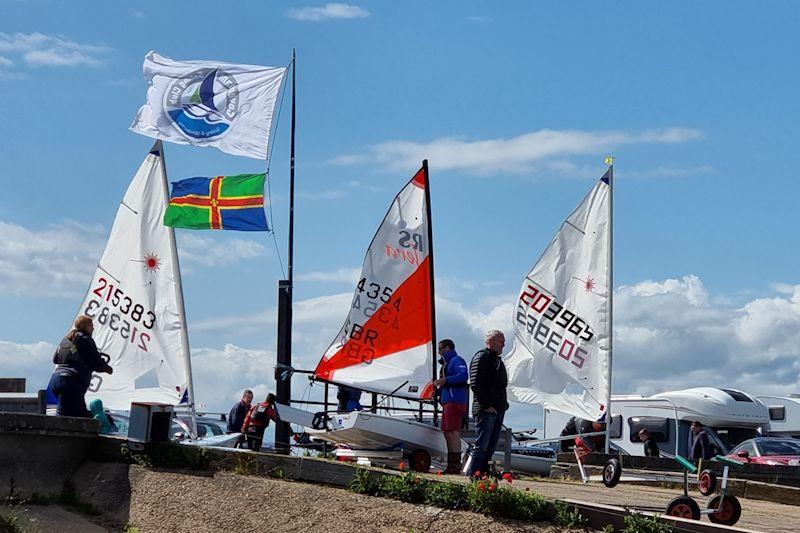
784 415
730 417
776 451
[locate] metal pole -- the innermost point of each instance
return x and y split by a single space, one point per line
283 379
610 289
434 373
158 149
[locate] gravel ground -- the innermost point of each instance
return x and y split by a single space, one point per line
163 501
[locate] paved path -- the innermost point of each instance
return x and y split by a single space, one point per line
757 515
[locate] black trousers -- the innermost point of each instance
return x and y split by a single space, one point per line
70 389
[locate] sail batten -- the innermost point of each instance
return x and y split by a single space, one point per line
386 342
561 354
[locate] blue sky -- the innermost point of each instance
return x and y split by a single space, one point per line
514 107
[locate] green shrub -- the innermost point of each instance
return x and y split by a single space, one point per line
363 483
568 516
447 495
639 523
406 487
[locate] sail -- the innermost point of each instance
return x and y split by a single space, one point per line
561 357
134 302
386 343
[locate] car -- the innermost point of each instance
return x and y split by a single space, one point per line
776 451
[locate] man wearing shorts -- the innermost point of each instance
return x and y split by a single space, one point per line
453 397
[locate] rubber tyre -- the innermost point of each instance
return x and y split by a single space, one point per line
730 512
707 482
683 507
611 473
420 460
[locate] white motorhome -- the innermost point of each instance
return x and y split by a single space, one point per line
733 416
784 415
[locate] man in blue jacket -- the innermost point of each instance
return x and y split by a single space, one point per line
453 397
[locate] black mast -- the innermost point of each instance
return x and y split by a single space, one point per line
434 371
283 374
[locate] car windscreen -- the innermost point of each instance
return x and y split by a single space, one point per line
779 447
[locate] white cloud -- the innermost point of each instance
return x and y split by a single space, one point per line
331 10
39 50
537 150
476 18
340 275
60 259
135 13
5 62
669 334
210 251
56 261
33 361
323 195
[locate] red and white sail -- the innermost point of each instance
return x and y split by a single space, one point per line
561 356
386 343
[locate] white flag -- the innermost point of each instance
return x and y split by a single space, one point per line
133 300
560 359
205 103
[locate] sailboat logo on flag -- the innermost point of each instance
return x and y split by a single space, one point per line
203 104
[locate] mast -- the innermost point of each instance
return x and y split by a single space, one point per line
283 374
176 273
610 285
434 376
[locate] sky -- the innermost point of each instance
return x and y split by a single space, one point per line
515 108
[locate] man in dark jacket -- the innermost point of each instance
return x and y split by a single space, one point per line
349 399
239 412
487 375
77 357
257 421
701 447
453 397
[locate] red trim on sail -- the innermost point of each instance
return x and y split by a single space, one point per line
427 392
419 179
388 330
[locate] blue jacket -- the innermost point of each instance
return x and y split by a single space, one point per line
456 376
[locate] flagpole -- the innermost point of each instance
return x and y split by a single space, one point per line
176 273
610 285
433 292
283 374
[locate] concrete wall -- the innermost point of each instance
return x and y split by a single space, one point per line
38 453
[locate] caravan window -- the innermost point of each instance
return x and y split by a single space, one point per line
777 413
615 431
657 426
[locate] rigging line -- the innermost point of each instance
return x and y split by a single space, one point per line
270 149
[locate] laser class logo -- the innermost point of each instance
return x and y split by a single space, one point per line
203 104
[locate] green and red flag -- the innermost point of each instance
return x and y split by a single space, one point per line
222 202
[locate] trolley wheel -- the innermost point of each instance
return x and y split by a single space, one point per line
611 473
728 509
684 507
707 482
420 460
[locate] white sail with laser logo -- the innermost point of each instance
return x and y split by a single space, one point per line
561 356
134 300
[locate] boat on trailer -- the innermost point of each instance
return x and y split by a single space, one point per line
387 342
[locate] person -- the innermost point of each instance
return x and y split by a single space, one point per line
453 397
701 447
349 399
77 357
98 413
592 443
570 430
487 374
239 412
257 421
650 445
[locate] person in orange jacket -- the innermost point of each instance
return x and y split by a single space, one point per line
257 421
